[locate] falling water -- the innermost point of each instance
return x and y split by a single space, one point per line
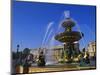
50 58
46 33
48 36
66 14
89 31
78 27
45 43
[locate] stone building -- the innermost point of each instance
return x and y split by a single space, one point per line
91 49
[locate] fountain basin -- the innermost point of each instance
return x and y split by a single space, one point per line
69 36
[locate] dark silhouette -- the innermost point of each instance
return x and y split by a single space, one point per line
26 64
41 61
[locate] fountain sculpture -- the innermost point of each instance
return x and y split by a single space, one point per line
68 37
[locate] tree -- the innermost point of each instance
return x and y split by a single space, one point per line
25 53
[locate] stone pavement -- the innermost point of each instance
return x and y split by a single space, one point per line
53 68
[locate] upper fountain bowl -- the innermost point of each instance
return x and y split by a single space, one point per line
68 22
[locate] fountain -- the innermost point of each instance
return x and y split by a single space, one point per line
68 37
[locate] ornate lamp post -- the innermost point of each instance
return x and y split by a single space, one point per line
18 48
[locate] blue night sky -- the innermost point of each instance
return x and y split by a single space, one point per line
30 21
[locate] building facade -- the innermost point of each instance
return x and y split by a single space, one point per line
91 49
56 53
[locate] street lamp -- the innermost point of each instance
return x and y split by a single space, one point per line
18 48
